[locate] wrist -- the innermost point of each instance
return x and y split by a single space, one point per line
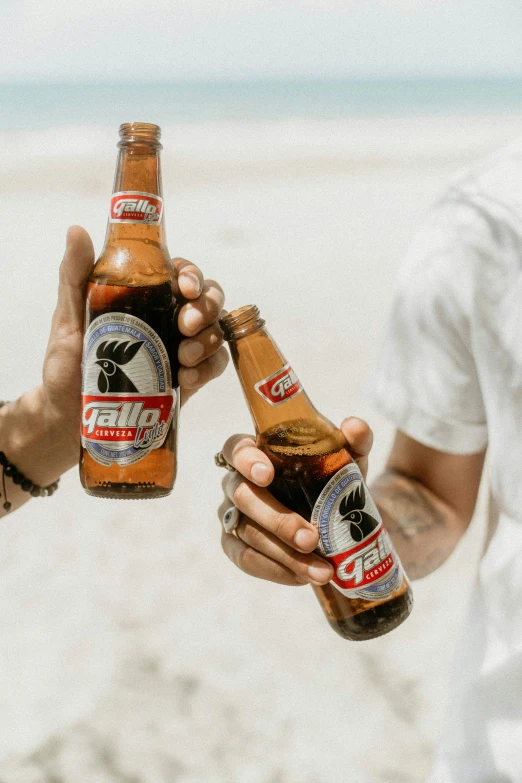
33 441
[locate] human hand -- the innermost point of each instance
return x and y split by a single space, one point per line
202 355
270 541
41 430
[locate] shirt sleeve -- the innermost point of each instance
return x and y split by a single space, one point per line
426 381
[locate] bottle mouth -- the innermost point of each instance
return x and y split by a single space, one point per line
241 322
140 132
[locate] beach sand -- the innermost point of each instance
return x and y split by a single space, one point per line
131 649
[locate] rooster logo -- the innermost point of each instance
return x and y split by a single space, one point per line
110 356
361 523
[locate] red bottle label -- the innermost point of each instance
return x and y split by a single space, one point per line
280 386
123 418
133 206
353 539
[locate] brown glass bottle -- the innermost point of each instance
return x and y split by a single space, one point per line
316 476
130 395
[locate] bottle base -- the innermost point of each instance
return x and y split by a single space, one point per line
374 622
114 491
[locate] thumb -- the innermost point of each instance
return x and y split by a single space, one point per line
360 440
75 269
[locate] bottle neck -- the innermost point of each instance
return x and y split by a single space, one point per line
136 207
270 385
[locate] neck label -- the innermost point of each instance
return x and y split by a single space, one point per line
280 386
133 206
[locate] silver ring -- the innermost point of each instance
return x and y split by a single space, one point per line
231 519
221 461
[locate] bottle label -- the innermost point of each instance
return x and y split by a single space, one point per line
127 395
353 539
280 386
133 206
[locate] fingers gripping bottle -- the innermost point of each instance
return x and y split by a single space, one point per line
316 476
130 395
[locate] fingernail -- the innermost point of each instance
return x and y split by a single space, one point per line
190 377
320 573
260 472
191 319
192 351
305 539
193 280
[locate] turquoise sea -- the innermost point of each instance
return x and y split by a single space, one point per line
39 106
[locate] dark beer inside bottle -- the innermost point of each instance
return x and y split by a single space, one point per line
305 457
156 305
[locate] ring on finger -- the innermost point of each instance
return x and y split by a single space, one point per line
231 519
221 462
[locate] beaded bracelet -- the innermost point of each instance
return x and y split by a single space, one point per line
18 478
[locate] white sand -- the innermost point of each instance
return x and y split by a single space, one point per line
131 649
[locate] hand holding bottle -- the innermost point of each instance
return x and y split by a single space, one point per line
272 542
39 431
360 584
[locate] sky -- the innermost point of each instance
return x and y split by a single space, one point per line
136 40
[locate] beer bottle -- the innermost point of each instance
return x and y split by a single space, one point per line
130 395
317 477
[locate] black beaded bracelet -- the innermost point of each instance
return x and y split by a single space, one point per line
18 478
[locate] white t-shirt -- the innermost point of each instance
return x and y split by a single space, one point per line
450 376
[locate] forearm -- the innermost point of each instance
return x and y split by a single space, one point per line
423 528
36 446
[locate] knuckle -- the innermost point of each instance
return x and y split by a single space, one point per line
205 374
214 298
241 493
207 370
214 285
229 484
215 329
281 524
293 562
252 535
247 560
219 361
281 575
214 335
229 445
234 446
298 567
366 433
213 342
183 265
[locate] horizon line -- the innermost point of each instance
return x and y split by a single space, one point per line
259 79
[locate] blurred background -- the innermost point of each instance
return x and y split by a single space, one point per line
303 143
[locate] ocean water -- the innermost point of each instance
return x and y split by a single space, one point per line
41 106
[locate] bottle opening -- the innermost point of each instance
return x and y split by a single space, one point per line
144 132
241 322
